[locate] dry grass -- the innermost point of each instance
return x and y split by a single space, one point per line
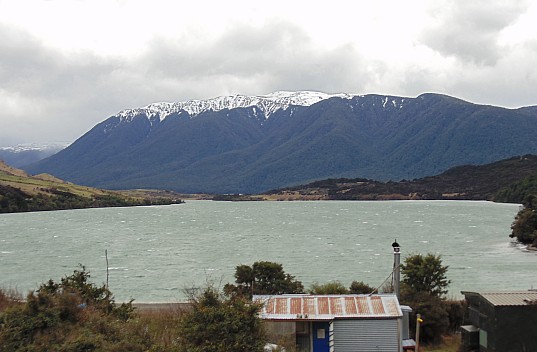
41 183
450 343
161 326
35 185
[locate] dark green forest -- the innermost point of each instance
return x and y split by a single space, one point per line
524 228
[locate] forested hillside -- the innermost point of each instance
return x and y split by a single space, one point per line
247 150
502 181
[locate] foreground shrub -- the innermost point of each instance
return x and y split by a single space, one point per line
73 315
218 324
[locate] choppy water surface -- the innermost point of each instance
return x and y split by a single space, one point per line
156 252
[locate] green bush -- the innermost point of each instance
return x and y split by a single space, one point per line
218 324
72 315
360 287
330 288
423 286
263 278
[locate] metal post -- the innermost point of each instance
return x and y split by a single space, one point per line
107 273
396 267
418 322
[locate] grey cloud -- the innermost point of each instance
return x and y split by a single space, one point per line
469 30
49 95
258 60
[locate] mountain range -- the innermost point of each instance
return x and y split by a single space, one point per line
25 154
250 144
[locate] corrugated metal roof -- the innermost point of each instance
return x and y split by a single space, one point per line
511 298
328 307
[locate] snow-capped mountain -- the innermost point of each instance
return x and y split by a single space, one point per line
268 104
249 144
33 147
28 153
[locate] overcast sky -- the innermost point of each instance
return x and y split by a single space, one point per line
66 65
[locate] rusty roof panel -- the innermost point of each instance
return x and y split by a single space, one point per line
282 306
296 305
317 307
377 304
322 305
337 306
350 305
391 307
309 305
363 305
270 306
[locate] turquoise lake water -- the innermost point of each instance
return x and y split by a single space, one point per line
156 252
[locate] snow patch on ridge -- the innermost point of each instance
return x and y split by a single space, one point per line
24 147
268 104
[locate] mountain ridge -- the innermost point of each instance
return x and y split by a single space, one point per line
268 104
240 150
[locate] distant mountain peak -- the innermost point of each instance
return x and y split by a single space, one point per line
25 147
270 103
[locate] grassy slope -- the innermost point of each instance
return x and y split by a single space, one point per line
48 185
34 185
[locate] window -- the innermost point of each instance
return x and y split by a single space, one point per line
302 327
483 338
321 334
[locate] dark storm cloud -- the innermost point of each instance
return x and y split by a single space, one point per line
469 30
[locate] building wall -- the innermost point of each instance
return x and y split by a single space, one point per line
515 330
367 335
503 328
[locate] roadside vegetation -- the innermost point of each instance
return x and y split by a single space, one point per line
74 314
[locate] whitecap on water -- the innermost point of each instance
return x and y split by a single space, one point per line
121 268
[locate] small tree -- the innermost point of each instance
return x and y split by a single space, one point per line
424 284
524 228
216 324
360 287
434 313
330 288
425 274
263 278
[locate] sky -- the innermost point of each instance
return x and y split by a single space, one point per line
66 65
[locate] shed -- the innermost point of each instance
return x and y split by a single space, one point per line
500 321
340 323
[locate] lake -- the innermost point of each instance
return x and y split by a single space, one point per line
155 252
